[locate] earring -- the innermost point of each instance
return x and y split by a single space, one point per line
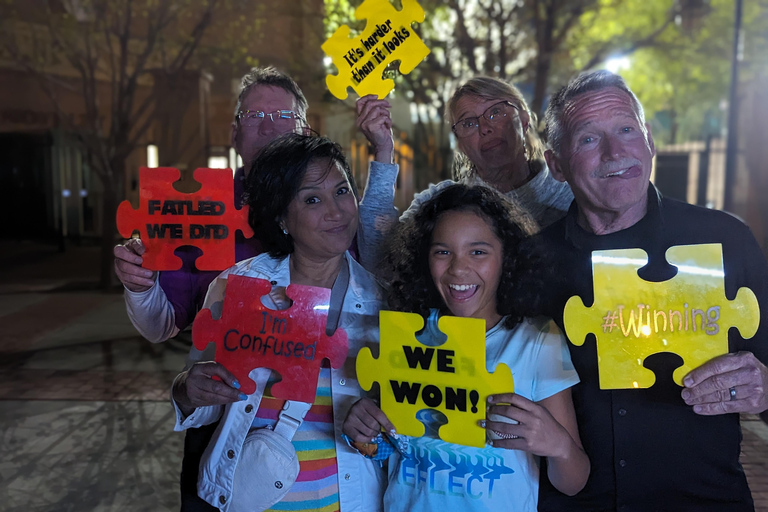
285 232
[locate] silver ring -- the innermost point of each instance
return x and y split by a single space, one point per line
504 435
732 391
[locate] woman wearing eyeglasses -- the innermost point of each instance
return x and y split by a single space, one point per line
497 144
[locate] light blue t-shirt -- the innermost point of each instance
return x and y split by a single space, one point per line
447 477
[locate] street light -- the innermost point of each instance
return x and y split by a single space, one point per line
616 64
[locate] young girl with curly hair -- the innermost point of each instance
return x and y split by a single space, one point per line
460 255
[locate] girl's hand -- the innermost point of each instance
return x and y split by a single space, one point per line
548 429
364 421
537 431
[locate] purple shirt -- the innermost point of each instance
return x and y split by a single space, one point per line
186 287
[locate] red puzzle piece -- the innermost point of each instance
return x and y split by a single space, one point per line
168 219
292 341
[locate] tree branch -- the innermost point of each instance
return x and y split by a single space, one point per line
464 41
601 54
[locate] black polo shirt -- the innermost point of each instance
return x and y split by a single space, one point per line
648 449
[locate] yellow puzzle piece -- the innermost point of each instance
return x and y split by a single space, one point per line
632 319
451 378
387 37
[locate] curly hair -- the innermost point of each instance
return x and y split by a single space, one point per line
412 288
274 180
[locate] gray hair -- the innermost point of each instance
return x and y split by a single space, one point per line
489 88
270 76
585 82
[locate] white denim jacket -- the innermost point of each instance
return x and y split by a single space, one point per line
361 481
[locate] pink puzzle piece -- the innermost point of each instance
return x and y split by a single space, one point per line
292 341
167 219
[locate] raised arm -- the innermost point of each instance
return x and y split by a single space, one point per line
148 307
378 214
151 313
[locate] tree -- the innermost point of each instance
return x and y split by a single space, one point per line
111 54
533 43
683 80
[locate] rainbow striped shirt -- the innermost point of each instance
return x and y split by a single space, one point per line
317 487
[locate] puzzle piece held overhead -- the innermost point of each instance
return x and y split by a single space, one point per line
387 37
451 378
292 341
168 219
632 319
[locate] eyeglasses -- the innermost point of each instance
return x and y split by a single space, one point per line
494 113
253 118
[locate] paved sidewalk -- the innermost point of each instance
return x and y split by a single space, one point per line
85 422
30 266
80 456
88 427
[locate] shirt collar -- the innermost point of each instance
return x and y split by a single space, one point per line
651 222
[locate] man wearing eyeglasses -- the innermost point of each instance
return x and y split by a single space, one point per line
270 104
264 113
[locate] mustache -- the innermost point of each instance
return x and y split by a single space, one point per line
617 165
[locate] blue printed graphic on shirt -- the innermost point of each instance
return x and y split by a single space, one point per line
451 472
435 475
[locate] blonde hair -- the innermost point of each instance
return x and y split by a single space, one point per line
489 88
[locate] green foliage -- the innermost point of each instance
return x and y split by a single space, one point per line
338 13
684 80
680 61
511 38
619 27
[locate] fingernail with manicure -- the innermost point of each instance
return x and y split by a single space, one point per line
242 397
235 384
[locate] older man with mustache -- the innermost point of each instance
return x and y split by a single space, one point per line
660 448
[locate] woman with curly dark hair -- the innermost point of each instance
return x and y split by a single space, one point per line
460 255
